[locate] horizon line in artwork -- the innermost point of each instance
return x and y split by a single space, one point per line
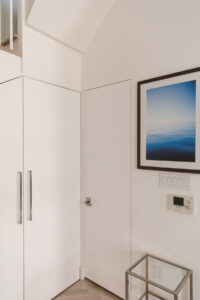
171 122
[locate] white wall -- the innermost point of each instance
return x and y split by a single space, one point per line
78 20
50 61
10 66
143 39
47 60
43 59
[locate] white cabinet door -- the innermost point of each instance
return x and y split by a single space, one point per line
107 169
52 154
11 157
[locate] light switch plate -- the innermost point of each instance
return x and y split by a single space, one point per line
174 181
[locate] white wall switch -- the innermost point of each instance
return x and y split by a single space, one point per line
181 204
174 181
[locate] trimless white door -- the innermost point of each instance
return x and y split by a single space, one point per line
107 182
11 167
52 193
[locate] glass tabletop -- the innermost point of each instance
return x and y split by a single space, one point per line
163 273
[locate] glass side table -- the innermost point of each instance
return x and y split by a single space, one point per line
159 273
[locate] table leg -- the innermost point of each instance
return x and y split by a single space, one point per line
175 297
147 295
147 276
127 287
191 286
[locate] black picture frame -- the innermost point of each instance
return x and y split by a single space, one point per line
161 79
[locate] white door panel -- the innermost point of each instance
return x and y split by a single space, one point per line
107 182
52 153
11 162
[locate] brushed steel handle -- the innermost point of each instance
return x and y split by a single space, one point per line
19 174
30 217
88 201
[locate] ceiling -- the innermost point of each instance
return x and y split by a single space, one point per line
72 22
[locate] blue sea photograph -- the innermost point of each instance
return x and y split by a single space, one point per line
171 122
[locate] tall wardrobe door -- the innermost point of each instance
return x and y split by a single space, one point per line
11 157
52 193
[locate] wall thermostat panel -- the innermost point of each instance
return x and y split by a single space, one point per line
181 204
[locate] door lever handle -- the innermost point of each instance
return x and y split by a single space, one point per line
88 201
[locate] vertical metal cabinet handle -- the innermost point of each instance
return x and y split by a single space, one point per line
19 221
30 196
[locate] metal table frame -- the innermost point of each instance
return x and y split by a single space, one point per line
188 276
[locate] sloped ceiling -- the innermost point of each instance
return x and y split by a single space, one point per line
73 22
29 4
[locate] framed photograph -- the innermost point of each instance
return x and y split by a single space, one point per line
169 122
